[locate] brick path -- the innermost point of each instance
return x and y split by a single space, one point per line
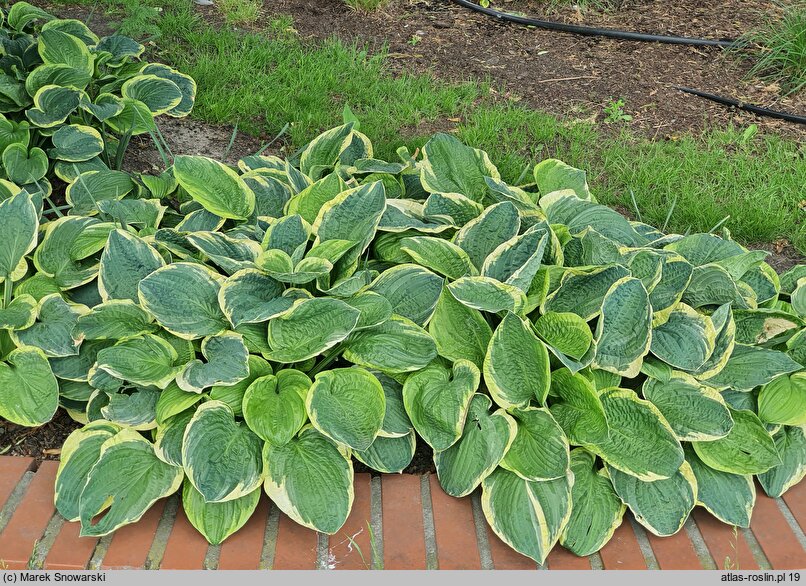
397 522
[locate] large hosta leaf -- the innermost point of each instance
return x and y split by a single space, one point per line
565 332
215 186
728 497
18 225
623 333
790 442
783 400
747 449
227 364
389 455
686 340
582 291
540 448
412 290
576 406
397 345
451 167
460 332
274 406
752 366
54 329
29 392
217 521
146 360
487 294
126 260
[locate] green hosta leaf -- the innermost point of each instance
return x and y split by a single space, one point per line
217 521
790 442
347 405
497 225
582 292
104 107
183 297
310 200
566 332
128 478
516 367
23 166
725 328
310 479
576 406
53 330
486 294
623 333
695 412
170 435
18 225
74 27
185 83
231 254
52 105
712 285
441 256
158 94
20 314
452 208
29 393
59 47
375 309
783 400
517 260
233 395
641 443
173 401
60 256
322 153
437 400
227 364
92 187
126 260
396 422
274 406
398 345
75 143
540 448
118 319
686 340
147 360
137 410
249 296
134 118
765 326
22 14
728 497
449 166
221 458
563 207
752 366
412 290
460 332
596 510
389 455
80 452
554 175
747 449
527 516
484 442
215 186
309 328
142 213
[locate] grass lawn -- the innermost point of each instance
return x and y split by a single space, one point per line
264 80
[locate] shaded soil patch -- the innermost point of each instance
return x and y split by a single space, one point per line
42 443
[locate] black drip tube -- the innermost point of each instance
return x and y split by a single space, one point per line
746 107
598 32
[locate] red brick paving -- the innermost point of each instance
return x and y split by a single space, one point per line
720 541
70 551
675 552
506 558
11 472
795 499
622 552
353 540
186 548
130 544
296 547
242 549
403 532
775 536
454 527
562 559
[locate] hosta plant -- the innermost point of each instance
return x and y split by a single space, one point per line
285 319
71 101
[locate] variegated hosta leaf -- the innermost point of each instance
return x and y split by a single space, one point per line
412 290
136 410
80 452
486 294
485 440
118 319
375 309
596 510
641 443
790 442
481 236
389 455
128 475
686 340
227 364
725 327
222 458
452 208
576 406
564 207
185 83
215 186
310 479
747 449
126 260
695 412
783 400
516 367
398 345
728 497
29 393
66 252
18 225
712 285
439 255
250 296
310 200
274 406
565 332
92 187
527 516
309 328
437 400
217 521
173 400
449 166
752 366
183 297
170 435
158 94
583 291
459 331
540 448
516 261
233 395
348 406
662 506
396 422
624 330
321 153
53 330
765 326
554 175
147 360
20 314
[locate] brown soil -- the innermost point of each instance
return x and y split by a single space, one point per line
42 443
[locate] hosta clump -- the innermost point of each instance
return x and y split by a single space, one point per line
292 317
70 103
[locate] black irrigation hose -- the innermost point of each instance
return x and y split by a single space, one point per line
599 32
746 107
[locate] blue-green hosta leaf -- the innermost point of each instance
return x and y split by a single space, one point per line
135 410
554 175
686 340
20 314
217 521
500 191
783 400
309 328
675 276
185 83
765 326
57 74
527 516
728 497
134 118
702 249
103 107
233 395
310 479
540 448
565 332
310 200
147 360
483 235
23 166
396 422
563 207
389 455
199 220
641 442
215 186
249 296
583 291
396 346
158 94
274 406
460 332
322 153
126 260
117 319
747 449
74 143
173 401
227 364
439 255
485 440
516 367
231 254
78 367
170 435
18 225
52 105
406 215
486 294
128 478
142 213
22 14
662 506
222 458
624 330
725 327
80 452
712 285
53 330
375 309
790 441
576 406
517 260
437 400
412 290
596 509
29 393
695 412
348 406
452 208
752 366
183 297
59 47
449 166
61 255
